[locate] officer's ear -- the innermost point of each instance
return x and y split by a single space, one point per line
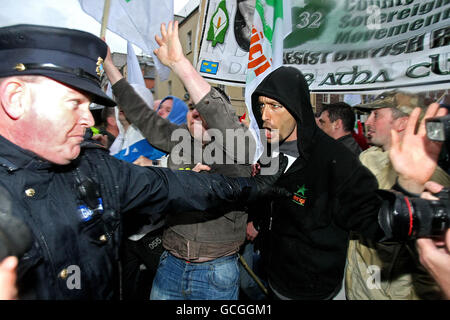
337 124
13 96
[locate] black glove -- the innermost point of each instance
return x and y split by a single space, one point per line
242 190
265 184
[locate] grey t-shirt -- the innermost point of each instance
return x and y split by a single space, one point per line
290 148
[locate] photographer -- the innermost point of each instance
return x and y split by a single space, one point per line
435 255
400 158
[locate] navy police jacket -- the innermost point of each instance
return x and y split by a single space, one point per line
76 237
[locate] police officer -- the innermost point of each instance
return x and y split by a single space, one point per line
70 192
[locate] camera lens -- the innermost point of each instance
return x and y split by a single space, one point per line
403 218
435 131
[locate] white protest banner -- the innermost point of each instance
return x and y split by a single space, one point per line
368 46
137 21
346 46
223 52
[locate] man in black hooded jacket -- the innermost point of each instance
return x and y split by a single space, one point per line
333 193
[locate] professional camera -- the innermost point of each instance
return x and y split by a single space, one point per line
404 218
438 129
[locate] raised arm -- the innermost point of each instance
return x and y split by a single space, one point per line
218 113
154 128
111 71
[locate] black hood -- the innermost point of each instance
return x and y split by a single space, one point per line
288 86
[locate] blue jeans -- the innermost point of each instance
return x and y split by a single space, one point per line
177 279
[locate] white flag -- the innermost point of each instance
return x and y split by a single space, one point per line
271 24
130 144
134 72
136 78
137 21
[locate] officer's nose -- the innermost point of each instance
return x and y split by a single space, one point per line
90 120
86 118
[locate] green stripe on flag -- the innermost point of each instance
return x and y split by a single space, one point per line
277 14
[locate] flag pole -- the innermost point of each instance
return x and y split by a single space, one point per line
105 18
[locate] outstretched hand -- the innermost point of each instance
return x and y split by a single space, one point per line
170 50
143 161
415 157
199 167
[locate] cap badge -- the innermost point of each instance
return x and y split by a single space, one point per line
99 68
20 67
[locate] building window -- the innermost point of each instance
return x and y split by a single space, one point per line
326 98
189 41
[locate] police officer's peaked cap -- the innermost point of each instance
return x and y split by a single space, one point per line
69 56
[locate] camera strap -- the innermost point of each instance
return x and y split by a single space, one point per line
399 188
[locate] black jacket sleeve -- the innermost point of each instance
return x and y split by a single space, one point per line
158 190
357 203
